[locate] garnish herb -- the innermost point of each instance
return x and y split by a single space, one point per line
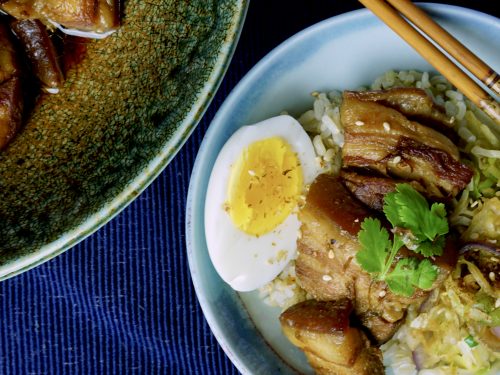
469 340
415 225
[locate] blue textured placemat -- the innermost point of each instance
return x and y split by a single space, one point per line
122 301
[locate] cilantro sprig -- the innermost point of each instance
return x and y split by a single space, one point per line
420 227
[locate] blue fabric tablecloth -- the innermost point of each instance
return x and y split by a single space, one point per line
122 301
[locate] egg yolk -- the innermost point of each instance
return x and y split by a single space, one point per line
264 186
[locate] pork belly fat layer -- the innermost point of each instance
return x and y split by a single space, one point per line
326 266
86 15
383 140
321 329
371 190
410 101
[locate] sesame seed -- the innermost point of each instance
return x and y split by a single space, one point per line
397 159
327 278
251 173
382 294
492 276
474 204
356 220
387 126
331 255
359 123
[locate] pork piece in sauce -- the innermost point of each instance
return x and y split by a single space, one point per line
381 139
371 190
29 21
412 102
40 52
332 346
326 266
11 99
86 15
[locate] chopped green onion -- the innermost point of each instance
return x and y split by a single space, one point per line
469 340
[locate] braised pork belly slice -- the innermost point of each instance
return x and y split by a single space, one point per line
11 110
86 15
371 190
326 265
9 66
11 99
40 52
383 140
412 102
332 346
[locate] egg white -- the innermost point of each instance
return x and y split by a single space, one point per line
244 261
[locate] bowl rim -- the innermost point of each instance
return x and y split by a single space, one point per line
151 171
194 189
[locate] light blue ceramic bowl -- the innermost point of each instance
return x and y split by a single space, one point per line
343 52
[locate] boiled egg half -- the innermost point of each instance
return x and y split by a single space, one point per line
254 191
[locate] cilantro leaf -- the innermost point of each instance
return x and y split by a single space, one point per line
391 209
425 274
422 226
375 245
407 208
401 277
435 223
410 273
412 207
430 248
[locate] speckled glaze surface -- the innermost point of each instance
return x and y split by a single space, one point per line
123 113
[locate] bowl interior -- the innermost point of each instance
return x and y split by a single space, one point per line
344 52
124 111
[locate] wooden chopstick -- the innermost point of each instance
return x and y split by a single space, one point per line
446 41
435 57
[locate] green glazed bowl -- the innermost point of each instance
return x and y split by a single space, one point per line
122 115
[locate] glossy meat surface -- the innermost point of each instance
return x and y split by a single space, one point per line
86 15
332 346
326 266
371 190
383 140
410 101
40 52
11 99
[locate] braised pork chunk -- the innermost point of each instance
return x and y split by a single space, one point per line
87 15
383 140
332 346
370 189
412 102
11 100
326 266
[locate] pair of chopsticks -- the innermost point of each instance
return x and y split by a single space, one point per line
389 12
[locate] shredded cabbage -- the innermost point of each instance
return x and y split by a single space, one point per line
440 337
480 140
